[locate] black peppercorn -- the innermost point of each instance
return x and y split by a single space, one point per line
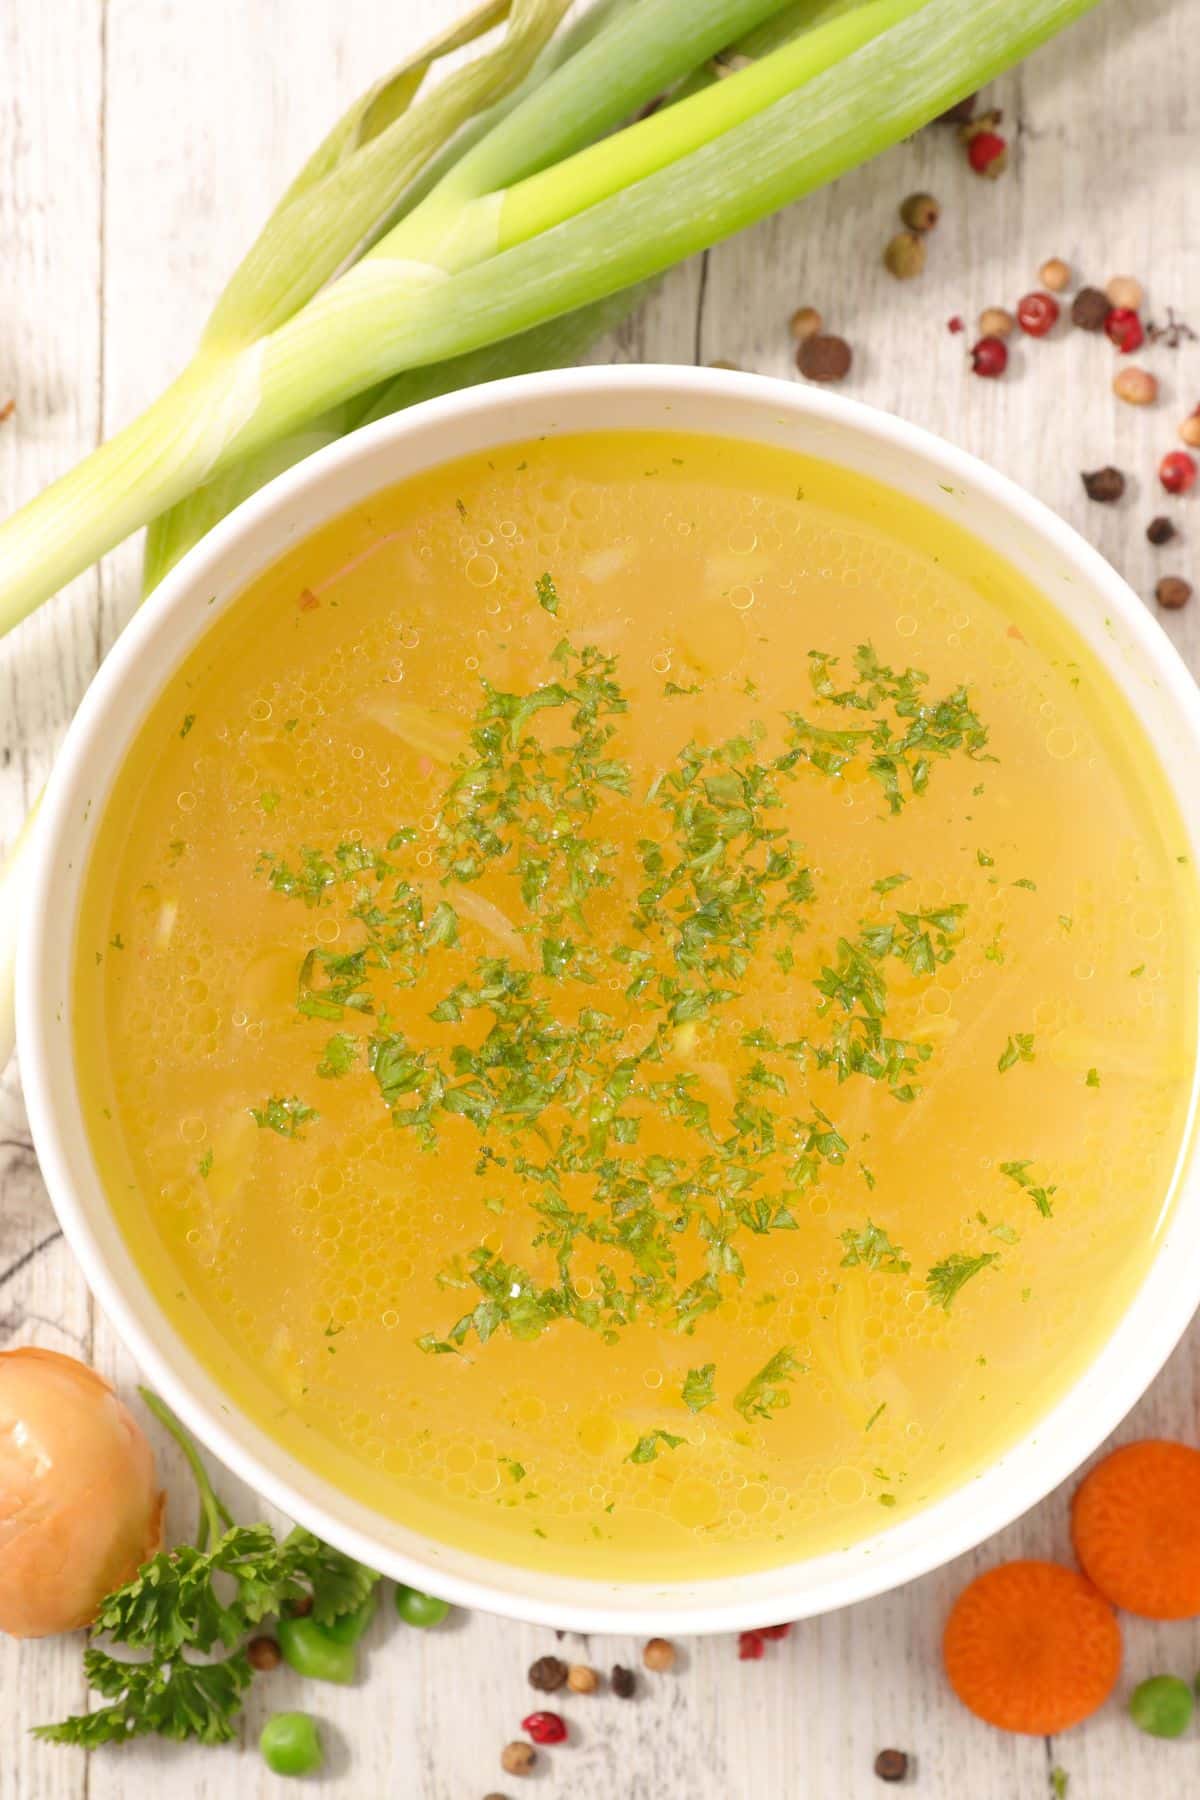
959 113
1090 308
547 1674
1160 530
263 1653
1173 592
824 358
1104 485
624 1682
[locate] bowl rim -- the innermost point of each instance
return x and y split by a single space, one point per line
1141 1340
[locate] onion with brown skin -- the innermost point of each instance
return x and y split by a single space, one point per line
80 1505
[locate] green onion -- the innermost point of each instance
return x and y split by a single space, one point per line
364 167
555 345
499 223
541 215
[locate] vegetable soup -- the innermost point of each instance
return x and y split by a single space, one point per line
635 1002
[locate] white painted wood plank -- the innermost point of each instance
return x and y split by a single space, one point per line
209 110
50 366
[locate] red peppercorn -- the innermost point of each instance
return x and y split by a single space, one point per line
955 324
545 1727
1125 328
986 150
1036 313
990 356
1177 471
750 1646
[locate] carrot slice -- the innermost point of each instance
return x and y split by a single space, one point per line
1135 1520
1031 1646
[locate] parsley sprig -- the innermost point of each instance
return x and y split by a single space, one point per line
186 1615
872 1248
947 1278
1041 1193
766 1392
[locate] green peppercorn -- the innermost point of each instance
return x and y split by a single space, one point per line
311 1651
421 1610
920 212
905 255
1161 1706
291 1744
350 1626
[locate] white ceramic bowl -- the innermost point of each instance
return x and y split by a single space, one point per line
1074 578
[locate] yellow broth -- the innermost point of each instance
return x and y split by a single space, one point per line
634 1003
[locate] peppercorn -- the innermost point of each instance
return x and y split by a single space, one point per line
1137 387
495 1797
547 1674
990 120
960 113
920 212
995 322
751 1646
987 154
545 1727
1124 329
1104 485
989 357
954 324
1160 530
891 1765
1189 431
1089 309
263 1653
1036 313
736 367
824 358
1055 275
1124 291
581 1679
1173 592
301 1607
518 1757
624 1682
904 256
1177 471
805 322
659 1655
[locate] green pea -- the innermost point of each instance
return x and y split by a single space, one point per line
419 1609
291 1744
311 1651
351 1625
1161 1706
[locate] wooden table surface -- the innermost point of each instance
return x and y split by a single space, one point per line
141 144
